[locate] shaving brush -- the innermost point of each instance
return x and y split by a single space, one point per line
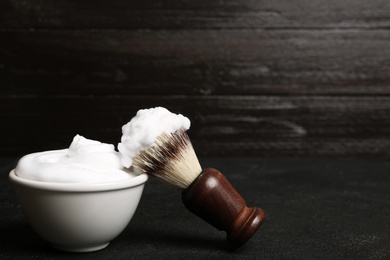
206 193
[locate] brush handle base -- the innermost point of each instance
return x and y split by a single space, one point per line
212 198
246 224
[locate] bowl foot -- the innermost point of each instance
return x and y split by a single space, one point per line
80 249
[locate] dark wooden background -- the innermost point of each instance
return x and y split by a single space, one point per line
256 77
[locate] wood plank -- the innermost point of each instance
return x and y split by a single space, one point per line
256 77
221 125
178 14
180 62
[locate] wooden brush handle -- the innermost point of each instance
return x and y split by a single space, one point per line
213 198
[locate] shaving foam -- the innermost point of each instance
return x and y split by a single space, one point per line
142 131
85 161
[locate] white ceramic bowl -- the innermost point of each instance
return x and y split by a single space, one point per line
78 217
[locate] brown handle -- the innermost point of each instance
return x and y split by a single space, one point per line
213 198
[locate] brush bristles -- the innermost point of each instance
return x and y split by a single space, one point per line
171 159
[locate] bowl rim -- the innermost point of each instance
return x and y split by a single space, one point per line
77 187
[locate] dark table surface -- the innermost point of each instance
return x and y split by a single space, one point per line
317 208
